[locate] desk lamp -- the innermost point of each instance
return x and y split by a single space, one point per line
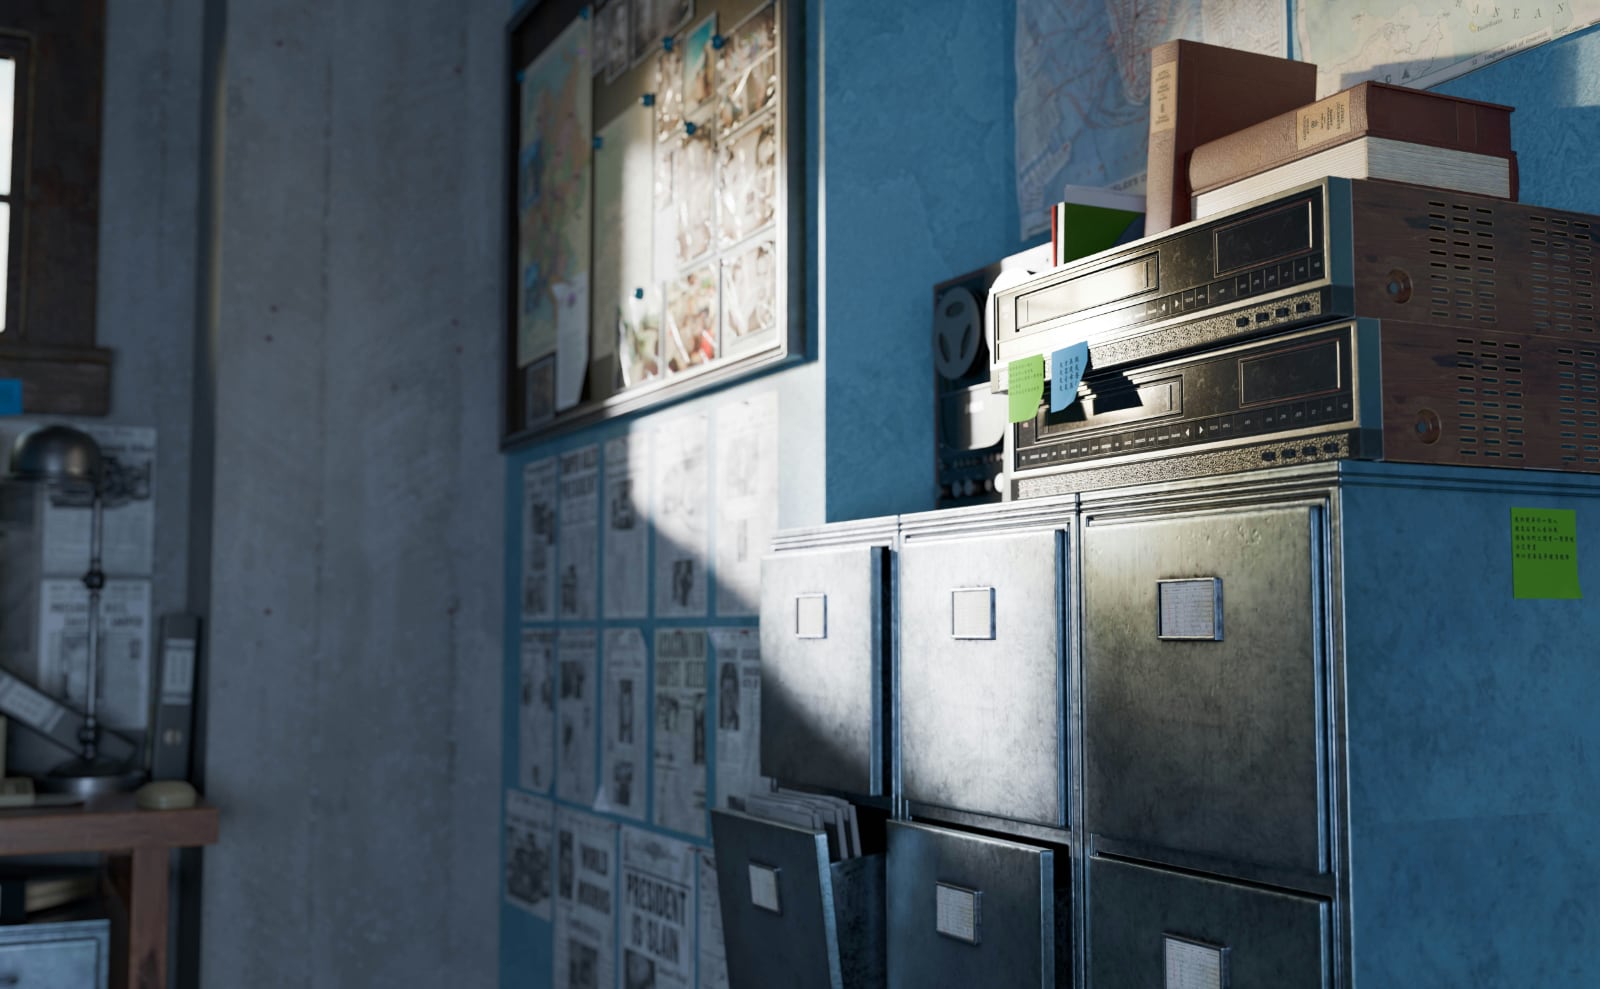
70 460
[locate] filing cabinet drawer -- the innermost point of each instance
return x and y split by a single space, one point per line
790 919
1150 927
824 621
72 955
970 910
1203 666
982 675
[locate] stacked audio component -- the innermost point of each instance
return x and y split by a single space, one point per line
1450 329
1285 729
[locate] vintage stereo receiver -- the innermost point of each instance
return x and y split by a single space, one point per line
1426 393
1334 249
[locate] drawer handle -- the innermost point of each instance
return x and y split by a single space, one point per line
811 616
972 613
1189 609
764 888
955 912
1194 964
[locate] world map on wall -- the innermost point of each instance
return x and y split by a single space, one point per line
1083 70
1083 105
1424 44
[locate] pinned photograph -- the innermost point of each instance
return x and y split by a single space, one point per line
669 94
674 14
638 338
699 64
748 182
749 296
690 337
747 70
695 190
616 38
646 39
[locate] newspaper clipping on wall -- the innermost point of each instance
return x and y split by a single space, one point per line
625 724
536 712
575 714
680 742
586 901
128 525
580 534
747 499
539 539
680 489
658 911
738 679
125 631
528 829
713 953
627 530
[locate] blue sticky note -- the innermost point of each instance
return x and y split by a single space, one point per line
1066 370
10 396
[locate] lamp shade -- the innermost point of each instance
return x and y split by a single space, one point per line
56 453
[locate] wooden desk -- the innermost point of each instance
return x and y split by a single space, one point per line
115 825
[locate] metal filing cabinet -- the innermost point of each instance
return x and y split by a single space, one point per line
66 955
792 920
1326 744
983 668
827 653
972 910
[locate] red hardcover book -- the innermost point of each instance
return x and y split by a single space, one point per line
1199 93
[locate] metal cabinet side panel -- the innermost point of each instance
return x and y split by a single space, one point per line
1209 747
1019 895
982 720
796 948
1274 940
823 717
1471 735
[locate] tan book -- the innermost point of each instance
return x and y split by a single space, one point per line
1372 158
1371 109
1199 93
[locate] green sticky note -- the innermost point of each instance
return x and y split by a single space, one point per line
1026 387
1544 553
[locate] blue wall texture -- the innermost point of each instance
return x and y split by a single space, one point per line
910 181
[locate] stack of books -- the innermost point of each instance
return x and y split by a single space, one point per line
1369 131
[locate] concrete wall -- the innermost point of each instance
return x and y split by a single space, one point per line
355 572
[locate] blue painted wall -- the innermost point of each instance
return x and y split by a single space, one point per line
910 181
919 187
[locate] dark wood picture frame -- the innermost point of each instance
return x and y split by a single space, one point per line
528 391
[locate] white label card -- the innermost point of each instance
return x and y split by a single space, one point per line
955 912
811 616
764 888
1195 966
1190 609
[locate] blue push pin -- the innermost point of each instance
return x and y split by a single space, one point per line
649 99
519 75
666 43
598 142
689 128
638 293
717 41
584 13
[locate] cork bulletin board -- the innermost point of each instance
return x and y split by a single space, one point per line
654 206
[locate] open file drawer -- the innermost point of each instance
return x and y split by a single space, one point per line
790 918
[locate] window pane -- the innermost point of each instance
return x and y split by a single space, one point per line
8 106
5 257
